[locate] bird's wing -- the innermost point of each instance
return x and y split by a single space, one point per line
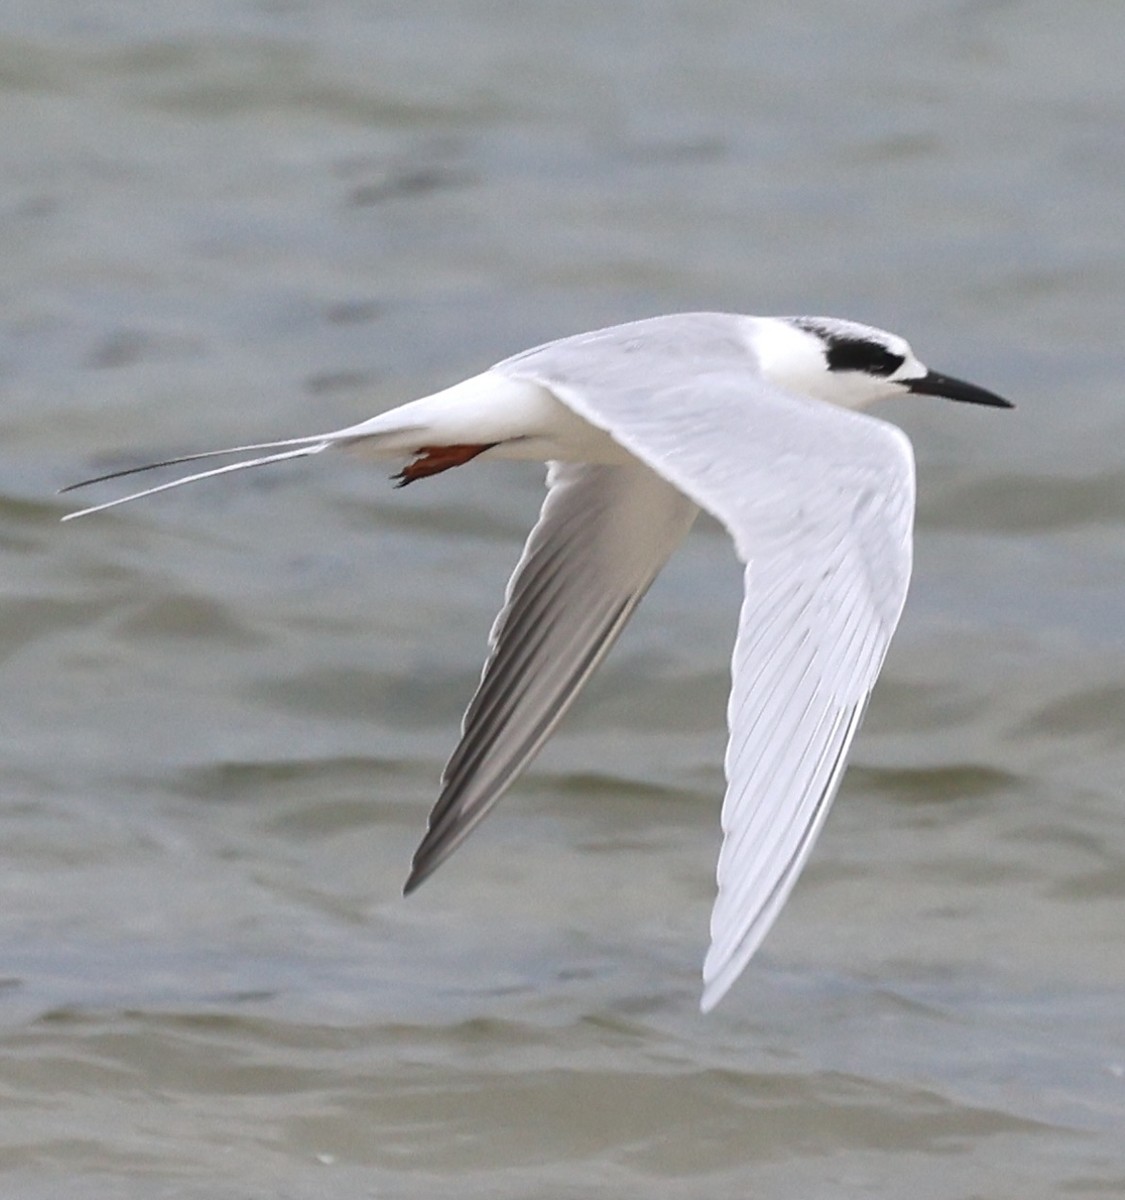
603 534
819 501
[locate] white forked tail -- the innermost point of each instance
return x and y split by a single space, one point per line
303 448
385 436
480 412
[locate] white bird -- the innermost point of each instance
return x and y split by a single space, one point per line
752 419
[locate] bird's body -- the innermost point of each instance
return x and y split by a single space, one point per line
643 425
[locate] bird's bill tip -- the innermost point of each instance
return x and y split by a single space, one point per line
935 384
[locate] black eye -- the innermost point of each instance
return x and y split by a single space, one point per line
855 354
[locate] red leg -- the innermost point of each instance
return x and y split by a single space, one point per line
432 460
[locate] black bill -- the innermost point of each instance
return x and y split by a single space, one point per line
933 384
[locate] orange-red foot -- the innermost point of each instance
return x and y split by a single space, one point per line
432 460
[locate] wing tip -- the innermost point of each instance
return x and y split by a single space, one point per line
716 984
418 876
431 853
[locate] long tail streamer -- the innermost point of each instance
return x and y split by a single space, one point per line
304 447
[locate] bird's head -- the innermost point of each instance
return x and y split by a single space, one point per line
851 365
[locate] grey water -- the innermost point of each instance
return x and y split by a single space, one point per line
224 711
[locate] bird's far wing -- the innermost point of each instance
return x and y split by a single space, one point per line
819 501
603 534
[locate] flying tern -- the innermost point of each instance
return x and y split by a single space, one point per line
756 421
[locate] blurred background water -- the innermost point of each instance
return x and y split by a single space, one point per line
224 712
